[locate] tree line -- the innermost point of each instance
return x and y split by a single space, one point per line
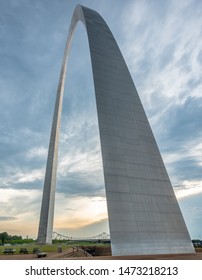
6 238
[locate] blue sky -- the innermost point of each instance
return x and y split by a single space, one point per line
161 42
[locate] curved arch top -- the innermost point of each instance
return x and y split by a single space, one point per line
144 216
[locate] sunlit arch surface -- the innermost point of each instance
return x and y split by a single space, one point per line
144 216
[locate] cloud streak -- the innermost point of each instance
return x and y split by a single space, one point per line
7 218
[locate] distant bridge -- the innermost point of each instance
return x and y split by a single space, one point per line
102 237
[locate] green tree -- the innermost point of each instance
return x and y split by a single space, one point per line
16 237
4 237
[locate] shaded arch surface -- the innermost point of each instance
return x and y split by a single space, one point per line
144 215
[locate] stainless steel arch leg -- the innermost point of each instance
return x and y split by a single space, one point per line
144 216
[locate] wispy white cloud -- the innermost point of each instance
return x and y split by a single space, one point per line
188 150
19 207
18 176
188 188
162 51
82 212
163 48
37 152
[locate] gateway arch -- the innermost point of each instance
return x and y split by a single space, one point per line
144 215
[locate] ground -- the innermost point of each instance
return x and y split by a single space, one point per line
65 253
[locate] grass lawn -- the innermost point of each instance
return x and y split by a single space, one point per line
46 248
42 248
